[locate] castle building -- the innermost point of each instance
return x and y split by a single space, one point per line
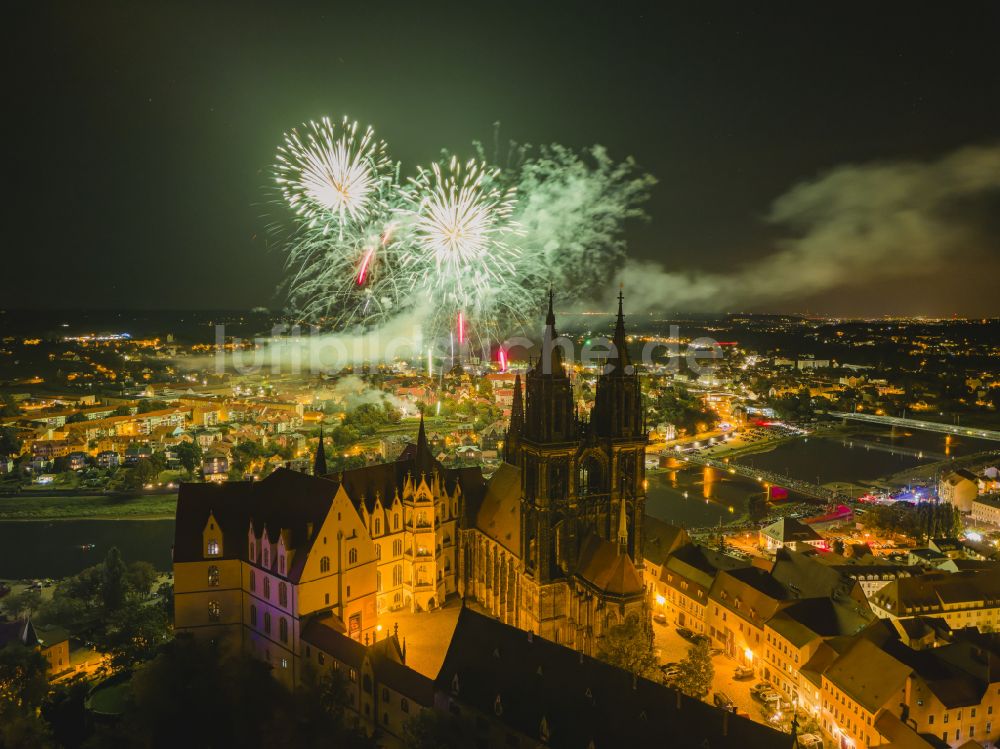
258 560
555 544
551 544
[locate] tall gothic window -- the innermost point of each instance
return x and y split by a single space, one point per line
352 556
213 576
214 611
282 594
324 564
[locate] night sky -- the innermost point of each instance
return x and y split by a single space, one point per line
140 134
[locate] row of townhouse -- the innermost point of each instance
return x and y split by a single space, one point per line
967 598
882 689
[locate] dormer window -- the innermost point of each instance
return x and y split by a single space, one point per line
378 526
267 556
253 551
281 564
212 548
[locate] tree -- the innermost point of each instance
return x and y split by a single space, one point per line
144 472
141 577
22 604
189 455
114 585
8 408
838 546
696 671
629 646
151 405
133 634
10 443
430 729
23 686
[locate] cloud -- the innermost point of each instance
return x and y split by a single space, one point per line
877 221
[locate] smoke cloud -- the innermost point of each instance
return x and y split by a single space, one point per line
873 221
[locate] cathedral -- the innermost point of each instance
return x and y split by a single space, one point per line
554 545
551 543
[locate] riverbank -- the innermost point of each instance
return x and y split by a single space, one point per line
88 507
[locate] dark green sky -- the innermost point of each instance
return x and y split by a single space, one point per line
140 133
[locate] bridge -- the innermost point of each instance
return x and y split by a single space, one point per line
806 488
929 426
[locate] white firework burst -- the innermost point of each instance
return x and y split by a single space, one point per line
332 177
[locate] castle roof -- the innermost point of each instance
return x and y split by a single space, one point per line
565 699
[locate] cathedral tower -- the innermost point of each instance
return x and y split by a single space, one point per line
617 423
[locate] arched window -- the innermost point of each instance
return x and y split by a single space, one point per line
213 576
253 551
397 547
397 575
283 629
267 557
267 622
253 615
378 582
324 564
352 556
267 587
378 551
395 521
282 594
212 548
253 581
281 564
590 479
214 611
378 526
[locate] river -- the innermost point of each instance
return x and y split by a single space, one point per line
58 548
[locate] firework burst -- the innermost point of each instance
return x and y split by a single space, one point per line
332 177
461 250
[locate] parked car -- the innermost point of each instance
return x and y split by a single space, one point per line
686 633
722 700
743 672
699 639
760 686
670 671
810 741
660 618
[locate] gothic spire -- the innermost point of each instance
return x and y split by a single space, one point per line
550 318
424 458
513 437
517 407
623 528
621 344
319 463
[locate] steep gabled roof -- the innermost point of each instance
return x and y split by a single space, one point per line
499 515
602 564
565 699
